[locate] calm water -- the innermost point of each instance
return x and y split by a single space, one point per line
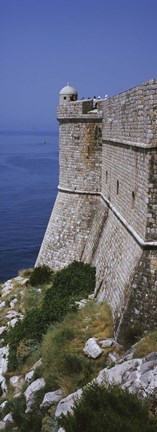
28 188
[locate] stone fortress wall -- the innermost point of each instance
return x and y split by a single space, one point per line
106 209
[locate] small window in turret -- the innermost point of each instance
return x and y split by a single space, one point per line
117 187
106 177
64 98
133 200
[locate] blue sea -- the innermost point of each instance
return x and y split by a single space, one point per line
28 188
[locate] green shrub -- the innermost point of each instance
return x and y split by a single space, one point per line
69 284
131 334
30 328
31 421
109 409
40 275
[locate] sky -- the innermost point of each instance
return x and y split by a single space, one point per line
99 46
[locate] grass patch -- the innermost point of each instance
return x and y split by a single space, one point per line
64 363
146 345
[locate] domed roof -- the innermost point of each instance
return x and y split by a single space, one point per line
68 90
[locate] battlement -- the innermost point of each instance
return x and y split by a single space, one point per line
131 117
81 109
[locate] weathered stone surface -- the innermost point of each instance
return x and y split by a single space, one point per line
2 425
13 302
3 404
29 375
3 384
17 382
66 404
51 398
92 349
7 287
82 303
29 393
106 343
8 418
137 375
4 352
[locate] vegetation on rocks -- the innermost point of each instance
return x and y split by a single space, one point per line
64 363
68 286
146 345
53 330
110 409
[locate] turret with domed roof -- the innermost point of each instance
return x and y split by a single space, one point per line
67 94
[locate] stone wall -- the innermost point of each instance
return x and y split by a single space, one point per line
115 254
80 155
68 229
106 209
130 117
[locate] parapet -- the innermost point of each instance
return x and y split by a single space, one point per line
81 109
131 117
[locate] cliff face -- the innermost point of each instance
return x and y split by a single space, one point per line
106 209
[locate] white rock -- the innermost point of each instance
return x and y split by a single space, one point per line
66 404
4 352
2 304
37 364
61 430
13 317
13 322
8 418
92 349
91 296
29 375
117 374
112 358
3 404
51 398
2 425
13 302
12 314
22 281
82 303
3 384
106 343
7 287
29 393
17 382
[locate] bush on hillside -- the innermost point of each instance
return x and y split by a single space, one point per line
31 421
40 275
109 409
70 284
